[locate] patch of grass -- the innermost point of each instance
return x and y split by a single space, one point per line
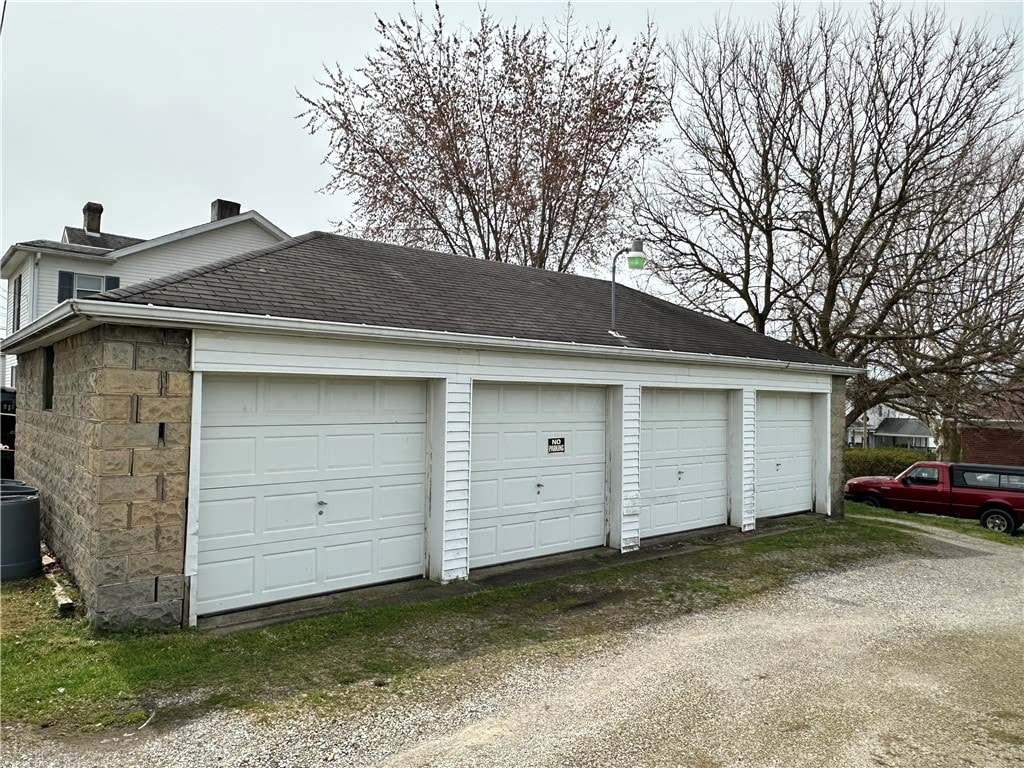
61 673
968 527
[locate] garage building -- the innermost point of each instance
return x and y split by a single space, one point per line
329 413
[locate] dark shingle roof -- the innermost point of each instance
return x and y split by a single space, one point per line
320 276
78 236
894 427
53 245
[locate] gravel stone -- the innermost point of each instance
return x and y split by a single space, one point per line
910 661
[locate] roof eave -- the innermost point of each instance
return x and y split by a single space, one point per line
102 254
74 316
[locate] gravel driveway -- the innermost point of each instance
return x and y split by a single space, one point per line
909 662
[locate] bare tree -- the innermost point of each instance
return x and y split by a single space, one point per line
852 183
499 143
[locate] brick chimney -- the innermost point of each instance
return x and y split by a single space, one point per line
91 217
223 209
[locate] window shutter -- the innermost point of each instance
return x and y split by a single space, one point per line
16 304
110 283
65 285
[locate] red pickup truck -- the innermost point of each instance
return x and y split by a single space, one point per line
992 494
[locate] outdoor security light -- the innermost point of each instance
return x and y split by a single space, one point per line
635 259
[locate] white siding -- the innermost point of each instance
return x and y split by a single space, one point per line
194 251
749 462
630 532
456 478
187 253
230 351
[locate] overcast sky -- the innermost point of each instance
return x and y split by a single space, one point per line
155 109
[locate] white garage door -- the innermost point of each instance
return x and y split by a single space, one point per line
784 454
537 478
682 460
308 485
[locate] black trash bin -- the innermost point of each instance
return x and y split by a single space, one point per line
19 532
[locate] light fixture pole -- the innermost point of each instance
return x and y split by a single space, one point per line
635 260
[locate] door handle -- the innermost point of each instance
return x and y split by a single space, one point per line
321 503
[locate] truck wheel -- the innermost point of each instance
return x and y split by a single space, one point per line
998 520
871 500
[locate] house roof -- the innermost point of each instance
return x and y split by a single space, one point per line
893 427
79 236
326 277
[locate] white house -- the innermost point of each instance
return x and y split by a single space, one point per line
42 273
327 413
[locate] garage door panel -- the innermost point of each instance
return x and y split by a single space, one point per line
227 581
682 460
402 553
230 461
399 504
554 532
353 451
519 445
588 486
224 402
290 513
291 397
228 458
349 399
402 399
288 570
517 537
349 562
227 519
348 506
286 455
516 492
483 541
401 450
785 461
518 449
271 571
485 496
299 496
524 500
557 489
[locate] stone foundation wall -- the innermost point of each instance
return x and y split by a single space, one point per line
838 443
110 460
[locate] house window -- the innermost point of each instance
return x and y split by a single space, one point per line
16 304
77 285
48 378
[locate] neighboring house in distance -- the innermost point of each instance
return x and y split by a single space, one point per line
329 413
885 427
40 274
904 432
